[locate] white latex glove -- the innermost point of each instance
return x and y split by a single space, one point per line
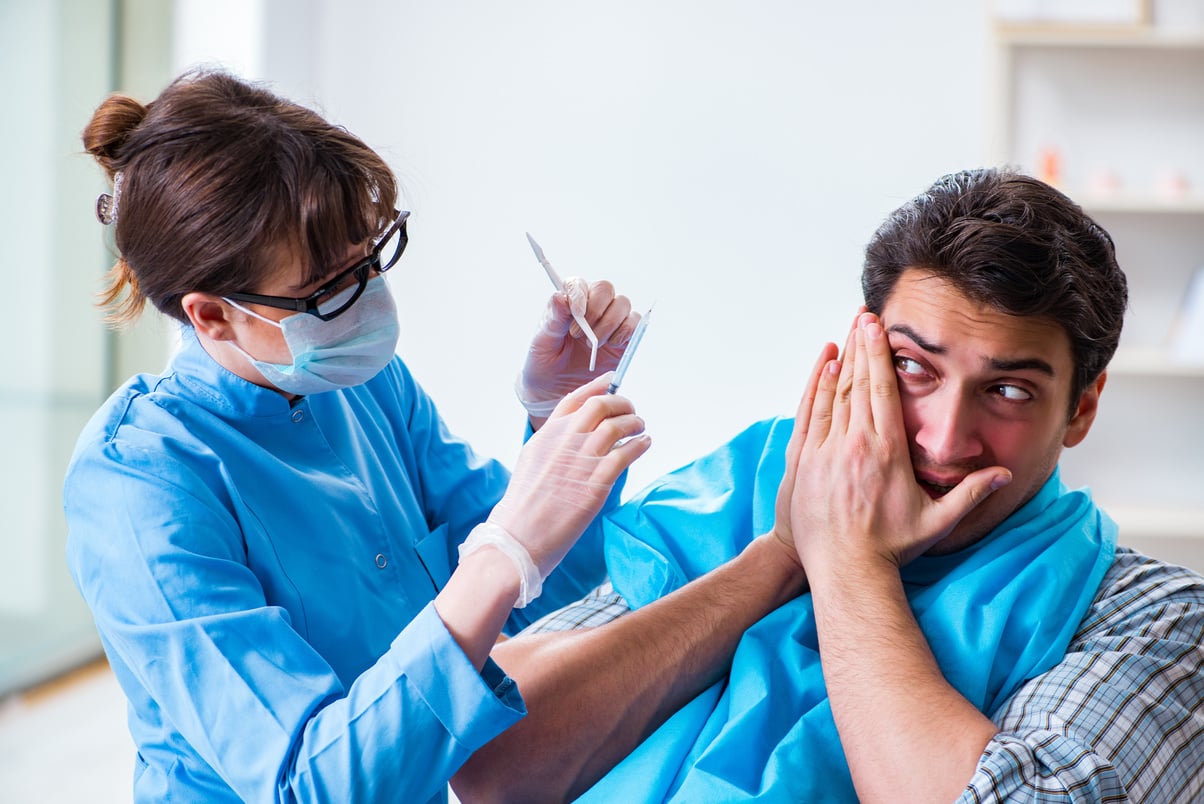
558 358
566 471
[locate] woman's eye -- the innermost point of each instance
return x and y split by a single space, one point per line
906 365
335 286
338 286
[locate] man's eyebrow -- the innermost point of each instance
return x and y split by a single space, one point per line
903 329
1023 364
1019 364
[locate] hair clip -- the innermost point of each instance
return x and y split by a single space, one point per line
106 203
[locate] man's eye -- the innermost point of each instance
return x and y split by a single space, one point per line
906 365
1013 392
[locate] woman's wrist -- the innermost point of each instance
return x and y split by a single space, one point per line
489 534
477 600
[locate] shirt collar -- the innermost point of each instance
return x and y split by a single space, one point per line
221 389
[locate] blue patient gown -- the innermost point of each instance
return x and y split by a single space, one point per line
995 614
261 576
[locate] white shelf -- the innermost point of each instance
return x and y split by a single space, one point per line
1099 36
1140 522
1176 536
1153 363
1139 203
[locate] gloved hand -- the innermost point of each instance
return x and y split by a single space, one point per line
558 358
566 471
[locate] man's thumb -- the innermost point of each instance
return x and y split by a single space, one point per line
973 489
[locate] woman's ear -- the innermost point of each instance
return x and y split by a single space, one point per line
1084 413
210 316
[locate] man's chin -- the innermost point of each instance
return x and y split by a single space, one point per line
965 534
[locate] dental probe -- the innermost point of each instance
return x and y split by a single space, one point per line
558 283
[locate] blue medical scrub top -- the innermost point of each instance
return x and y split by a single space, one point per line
261 576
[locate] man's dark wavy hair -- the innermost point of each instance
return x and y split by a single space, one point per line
1015 244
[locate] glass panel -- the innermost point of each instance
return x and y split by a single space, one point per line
56 64
54 345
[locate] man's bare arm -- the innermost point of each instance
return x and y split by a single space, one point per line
593 695
907 733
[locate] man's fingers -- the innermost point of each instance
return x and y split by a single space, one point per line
883 382
860 412
968 494
802 416
844 383
819 423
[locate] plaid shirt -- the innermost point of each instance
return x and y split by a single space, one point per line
1120 718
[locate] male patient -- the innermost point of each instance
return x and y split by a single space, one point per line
893 597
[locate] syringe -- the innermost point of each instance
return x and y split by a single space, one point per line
625 360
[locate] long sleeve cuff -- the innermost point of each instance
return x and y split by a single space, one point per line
473 706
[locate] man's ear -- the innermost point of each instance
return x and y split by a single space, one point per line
1084 413
210 316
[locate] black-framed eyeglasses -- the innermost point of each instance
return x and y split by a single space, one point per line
332 299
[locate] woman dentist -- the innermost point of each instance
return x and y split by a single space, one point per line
296 571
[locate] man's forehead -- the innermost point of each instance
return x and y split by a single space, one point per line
939 319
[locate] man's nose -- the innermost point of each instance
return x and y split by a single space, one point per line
948 432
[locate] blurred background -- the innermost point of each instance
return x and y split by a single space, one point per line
727 162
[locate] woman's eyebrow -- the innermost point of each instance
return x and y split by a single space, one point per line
326 279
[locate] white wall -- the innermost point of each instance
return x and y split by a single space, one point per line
727 161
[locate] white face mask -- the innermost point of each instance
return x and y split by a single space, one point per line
342 352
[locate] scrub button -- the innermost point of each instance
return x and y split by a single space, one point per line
381 561
298 415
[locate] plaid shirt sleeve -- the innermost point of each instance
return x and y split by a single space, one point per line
597 608
1122 716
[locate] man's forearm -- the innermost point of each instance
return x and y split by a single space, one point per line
907 734
593 695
